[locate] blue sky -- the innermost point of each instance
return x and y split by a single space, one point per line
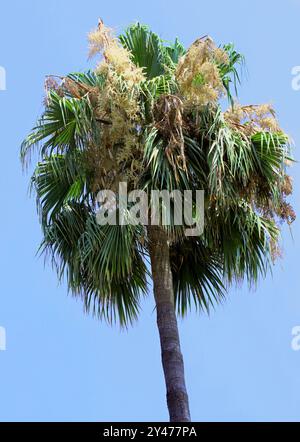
63 365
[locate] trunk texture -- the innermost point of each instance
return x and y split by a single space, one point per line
172 360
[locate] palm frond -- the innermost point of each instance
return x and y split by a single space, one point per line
147 49
64 125
197 275
231 71
57 181
103 264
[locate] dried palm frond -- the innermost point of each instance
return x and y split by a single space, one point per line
168 115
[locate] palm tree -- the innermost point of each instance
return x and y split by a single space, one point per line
150 115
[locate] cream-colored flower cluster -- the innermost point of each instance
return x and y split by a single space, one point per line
198 73
118 101
116 57
252 119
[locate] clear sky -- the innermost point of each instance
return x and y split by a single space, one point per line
63 365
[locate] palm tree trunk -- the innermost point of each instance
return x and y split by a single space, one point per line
172 360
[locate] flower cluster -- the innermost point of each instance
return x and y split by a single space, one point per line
252 119
118 101
198 74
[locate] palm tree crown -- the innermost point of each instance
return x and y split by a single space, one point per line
150 115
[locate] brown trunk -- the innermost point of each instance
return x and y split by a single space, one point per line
172 360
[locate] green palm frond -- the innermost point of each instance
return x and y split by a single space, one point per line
148 50
197 275
64 125
175 51
230 72
245 241
272 150
159 85
103 264
56 181
230 156
88 78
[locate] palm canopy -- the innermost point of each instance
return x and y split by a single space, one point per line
150 115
